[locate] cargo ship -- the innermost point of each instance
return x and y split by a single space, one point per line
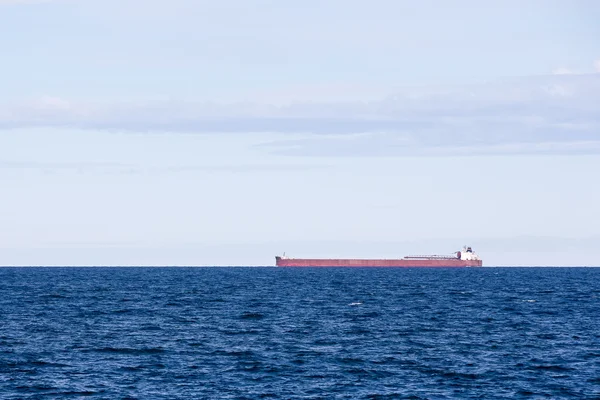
460 259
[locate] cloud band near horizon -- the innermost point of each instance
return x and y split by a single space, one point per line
550 114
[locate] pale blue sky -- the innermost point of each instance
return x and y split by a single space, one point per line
219 133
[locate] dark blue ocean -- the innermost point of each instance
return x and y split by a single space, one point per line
252 333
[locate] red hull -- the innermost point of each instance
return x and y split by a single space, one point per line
406 263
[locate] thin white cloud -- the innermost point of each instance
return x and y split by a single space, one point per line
3 2
564 71
570 71
466 145
53 103
550 114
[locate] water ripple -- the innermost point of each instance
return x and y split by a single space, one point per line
248 333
